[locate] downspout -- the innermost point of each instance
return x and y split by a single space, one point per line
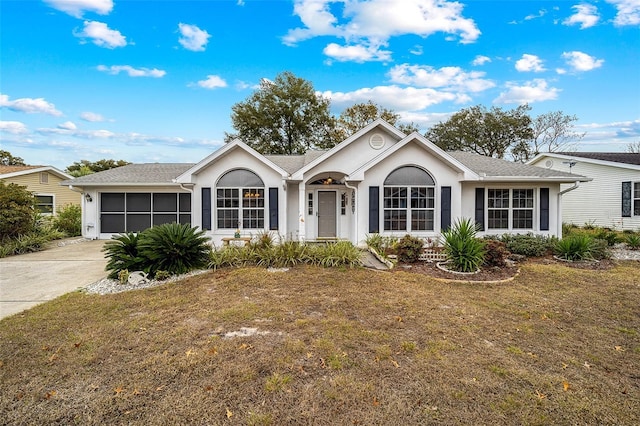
559 210
355 210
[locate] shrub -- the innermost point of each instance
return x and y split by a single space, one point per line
232 256
123 254
609 236
17 207
173 247
69 220
342 253
408 249
633 241
600 249
529 245
496 253
574 247
162 275
464 251
382 245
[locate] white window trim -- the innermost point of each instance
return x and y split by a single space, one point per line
510 228
409 209
634 199
241 208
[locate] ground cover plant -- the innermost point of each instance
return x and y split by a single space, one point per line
316 345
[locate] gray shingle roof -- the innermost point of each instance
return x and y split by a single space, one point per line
616 157
293 163
495 167
146 173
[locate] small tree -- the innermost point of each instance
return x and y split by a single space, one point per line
6 159
17 210
552 132
284 116
86 167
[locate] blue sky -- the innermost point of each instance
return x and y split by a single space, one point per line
154 81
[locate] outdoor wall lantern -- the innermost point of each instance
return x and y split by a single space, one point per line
87 197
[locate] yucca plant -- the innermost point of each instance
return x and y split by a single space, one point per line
290 253
465 252
341 253
122 252
633 241
574 247
175 248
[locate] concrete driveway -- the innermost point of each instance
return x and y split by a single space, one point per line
30 279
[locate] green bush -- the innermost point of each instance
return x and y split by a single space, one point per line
123 254
341 253
529 245
575 247
609 236
408 249
600 249
17 211
173 247
633 241
382 245
69 220
465 252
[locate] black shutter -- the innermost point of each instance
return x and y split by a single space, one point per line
206 208
480 209
273 209
544 209
445 208
626 199
374 209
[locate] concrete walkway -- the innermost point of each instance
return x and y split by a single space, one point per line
30 279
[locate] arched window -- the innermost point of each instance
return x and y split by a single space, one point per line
240 200
409 200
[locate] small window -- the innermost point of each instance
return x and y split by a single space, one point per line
44 177
636 198
44 204
310 204
343 203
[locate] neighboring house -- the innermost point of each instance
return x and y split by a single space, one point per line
612 199
44 182
379 180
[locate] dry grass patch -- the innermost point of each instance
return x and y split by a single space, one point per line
317 346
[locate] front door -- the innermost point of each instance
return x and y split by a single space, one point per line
326 214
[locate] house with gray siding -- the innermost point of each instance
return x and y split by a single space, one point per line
611 199
378 180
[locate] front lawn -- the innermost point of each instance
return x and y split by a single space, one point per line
332 346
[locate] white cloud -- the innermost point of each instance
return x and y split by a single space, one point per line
67 125
91 117
449 78
193 38
356 53
529 63
580 61
76 133
212 82
540 14
394 97
132 72
77 8
628 12
13 127
480 60
536 90
586 15
367 25
29 105
101 35
416 50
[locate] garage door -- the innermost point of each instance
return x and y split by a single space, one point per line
136 211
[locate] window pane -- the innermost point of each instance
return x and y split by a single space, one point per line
498 198
185 218
112 223
185 202
227 219
165 202
522 219
138 222
44 203
252 197
160 219
138 202
240 178
111 202
395 220
498 219
636 207
523 198
253 219
409 175
422 220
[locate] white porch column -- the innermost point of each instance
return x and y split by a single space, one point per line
302 199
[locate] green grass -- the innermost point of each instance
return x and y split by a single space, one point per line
554 346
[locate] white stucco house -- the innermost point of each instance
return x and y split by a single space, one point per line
611 199
379 180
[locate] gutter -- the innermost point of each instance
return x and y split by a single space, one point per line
576 184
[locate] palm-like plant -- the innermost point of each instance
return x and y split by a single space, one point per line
175 248
122 252
464 251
